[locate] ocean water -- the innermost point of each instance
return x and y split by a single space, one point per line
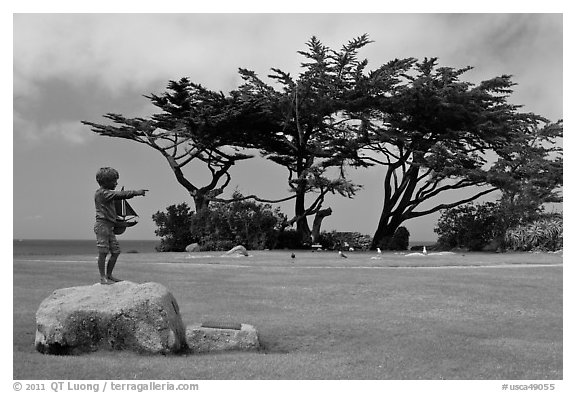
76 247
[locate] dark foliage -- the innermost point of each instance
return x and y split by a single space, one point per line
469 226
335 240
475 226
173 228
222 226
289 239
400 240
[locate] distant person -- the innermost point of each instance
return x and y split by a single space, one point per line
106 218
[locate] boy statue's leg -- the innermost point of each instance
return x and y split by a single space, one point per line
115 253
107 243
102 231
102 267
110 267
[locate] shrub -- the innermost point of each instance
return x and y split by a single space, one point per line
400 240
254 225
173 228
545 234
468 226
335 240
505 225
288 239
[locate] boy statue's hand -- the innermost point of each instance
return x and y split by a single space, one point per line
142 192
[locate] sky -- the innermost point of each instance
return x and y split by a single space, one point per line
73 67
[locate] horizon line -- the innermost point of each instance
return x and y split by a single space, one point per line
137 240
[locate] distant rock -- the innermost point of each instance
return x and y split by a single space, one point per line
237 251
207 339
194 247
124 316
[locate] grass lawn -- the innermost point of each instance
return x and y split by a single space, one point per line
319 316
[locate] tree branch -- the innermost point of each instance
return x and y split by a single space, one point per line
449 205
435 191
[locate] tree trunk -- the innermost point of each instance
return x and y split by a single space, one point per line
200 202
387 225
383 237
302 227
303 230
396 202
318 223
385 231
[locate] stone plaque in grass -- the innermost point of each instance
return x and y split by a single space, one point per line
222 325
200 338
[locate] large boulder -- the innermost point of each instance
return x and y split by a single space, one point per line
141 317
237 252
194 247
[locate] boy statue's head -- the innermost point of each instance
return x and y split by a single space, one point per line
107 177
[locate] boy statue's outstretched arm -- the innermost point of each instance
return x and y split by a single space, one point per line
124 194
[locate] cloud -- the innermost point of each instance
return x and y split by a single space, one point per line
106 60
33 218
72 132
81 49
119 51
